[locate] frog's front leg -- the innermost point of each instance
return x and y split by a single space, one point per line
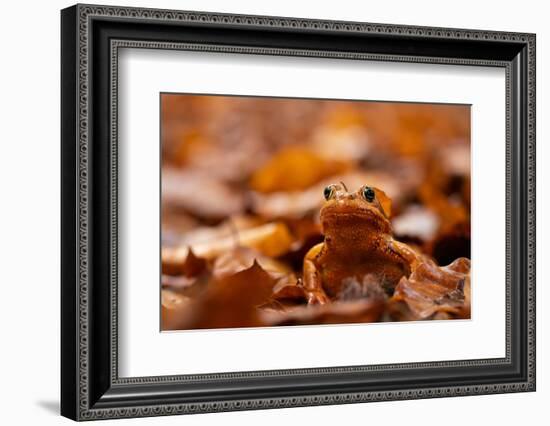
312 280
408 254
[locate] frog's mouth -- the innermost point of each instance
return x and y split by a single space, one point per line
337 211
362 216
339 218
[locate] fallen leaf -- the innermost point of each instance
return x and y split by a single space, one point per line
349 143
416 222
175 224
360 311
231 301
385 202
190 266
241 258
432 290
199 194
294 168
290 295
174 307
272 239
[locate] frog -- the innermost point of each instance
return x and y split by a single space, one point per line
358 245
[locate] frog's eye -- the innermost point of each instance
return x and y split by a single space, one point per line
368 194
328 192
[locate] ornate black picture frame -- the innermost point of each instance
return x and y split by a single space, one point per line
91 36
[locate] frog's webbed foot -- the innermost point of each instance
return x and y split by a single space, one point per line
317 297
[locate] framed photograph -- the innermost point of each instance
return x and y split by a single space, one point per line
263 212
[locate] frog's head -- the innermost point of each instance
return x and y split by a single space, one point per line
366 210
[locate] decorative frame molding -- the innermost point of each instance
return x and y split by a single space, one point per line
91 388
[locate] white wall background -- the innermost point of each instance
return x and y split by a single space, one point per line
29 211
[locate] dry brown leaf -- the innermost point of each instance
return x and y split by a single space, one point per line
175 224
199 194
242 258
416 222
292 294
294 168
191 266
272 239
231 301
350 143
384 200
360 311
174 307
188 278
432 290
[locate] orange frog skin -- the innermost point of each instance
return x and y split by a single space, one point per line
358 248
